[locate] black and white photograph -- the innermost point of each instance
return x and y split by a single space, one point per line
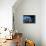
29 19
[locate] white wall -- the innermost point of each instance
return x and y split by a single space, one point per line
36 31
31 31
43 31
6 13
6 18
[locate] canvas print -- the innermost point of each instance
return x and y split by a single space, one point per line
29 19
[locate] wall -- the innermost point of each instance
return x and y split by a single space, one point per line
6 17
30 31
43 31
6 13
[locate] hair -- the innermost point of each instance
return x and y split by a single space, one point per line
34 44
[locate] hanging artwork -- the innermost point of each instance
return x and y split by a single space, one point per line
29 19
